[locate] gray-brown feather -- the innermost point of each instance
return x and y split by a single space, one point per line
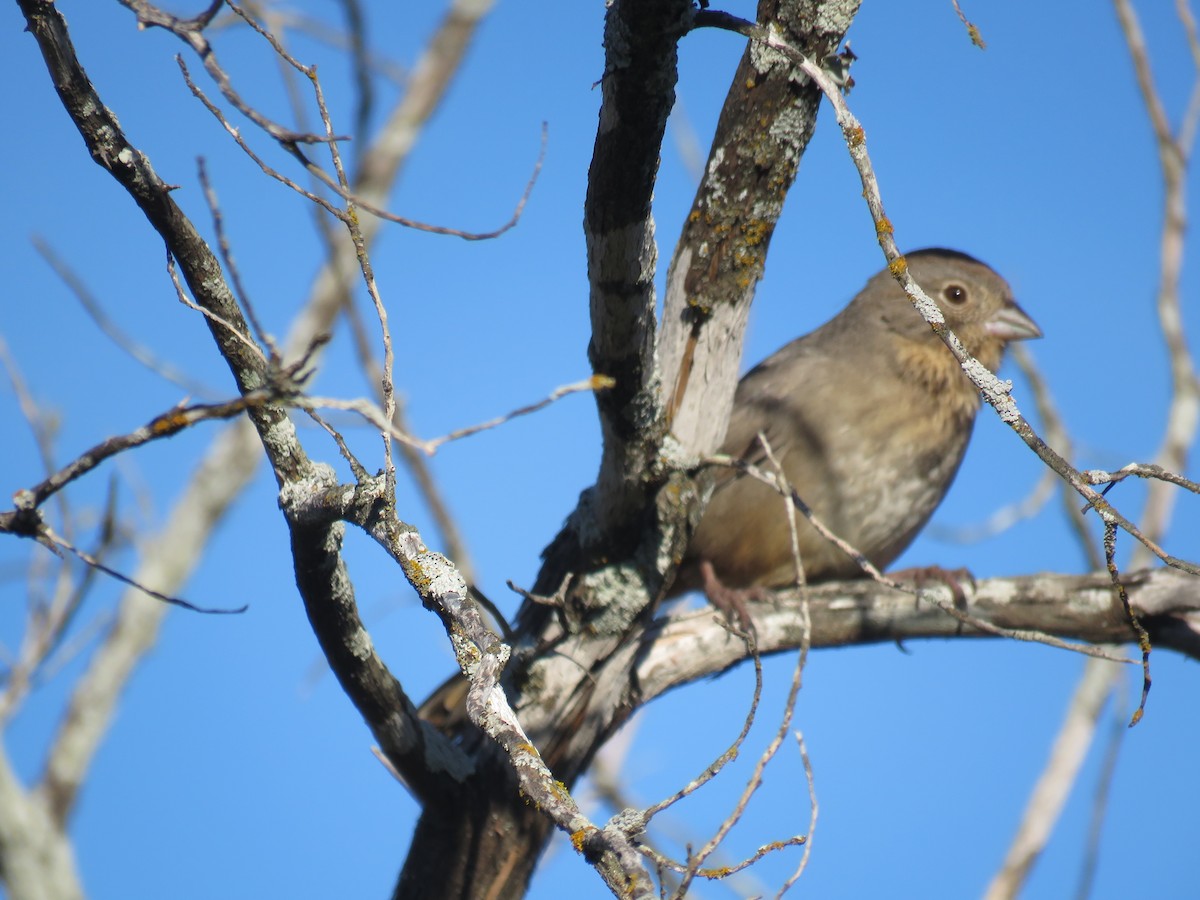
869 416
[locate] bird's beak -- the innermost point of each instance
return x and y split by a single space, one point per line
1011 323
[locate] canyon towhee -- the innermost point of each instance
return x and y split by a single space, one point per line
869 417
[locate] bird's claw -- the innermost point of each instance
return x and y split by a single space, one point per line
954 579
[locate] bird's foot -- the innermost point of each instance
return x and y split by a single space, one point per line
954 579
731 601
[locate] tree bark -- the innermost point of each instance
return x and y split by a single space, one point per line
767 120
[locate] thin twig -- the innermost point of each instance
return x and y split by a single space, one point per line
814 808
231 266
972 29
47 537
350 220
714 768
414 459
236 134
1047 485
183 298
1139 631
323 33
801 658
1057 436
1141 470
372 414
595 383
696 861
191 32
161 426
290 141
180 417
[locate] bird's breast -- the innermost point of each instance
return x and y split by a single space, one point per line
888 479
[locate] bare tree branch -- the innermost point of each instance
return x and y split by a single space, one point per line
686 646
767 120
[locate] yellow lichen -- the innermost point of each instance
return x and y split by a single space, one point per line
755 232
168 424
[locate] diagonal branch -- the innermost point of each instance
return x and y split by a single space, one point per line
767 120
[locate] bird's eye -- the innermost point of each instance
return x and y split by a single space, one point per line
955 293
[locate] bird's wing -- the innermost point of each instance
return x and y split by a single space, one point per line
768 404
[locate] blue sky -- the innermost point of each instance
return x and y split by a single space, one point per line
231 773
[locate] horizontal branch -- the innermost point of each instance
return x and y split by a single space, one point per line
164 425
694 645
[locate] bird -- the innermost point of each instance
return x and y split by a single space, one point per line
868 416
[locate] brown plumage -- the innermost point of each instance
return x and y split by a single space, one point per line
869 416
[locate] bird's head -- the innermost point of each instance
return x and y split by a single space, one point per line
977 303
